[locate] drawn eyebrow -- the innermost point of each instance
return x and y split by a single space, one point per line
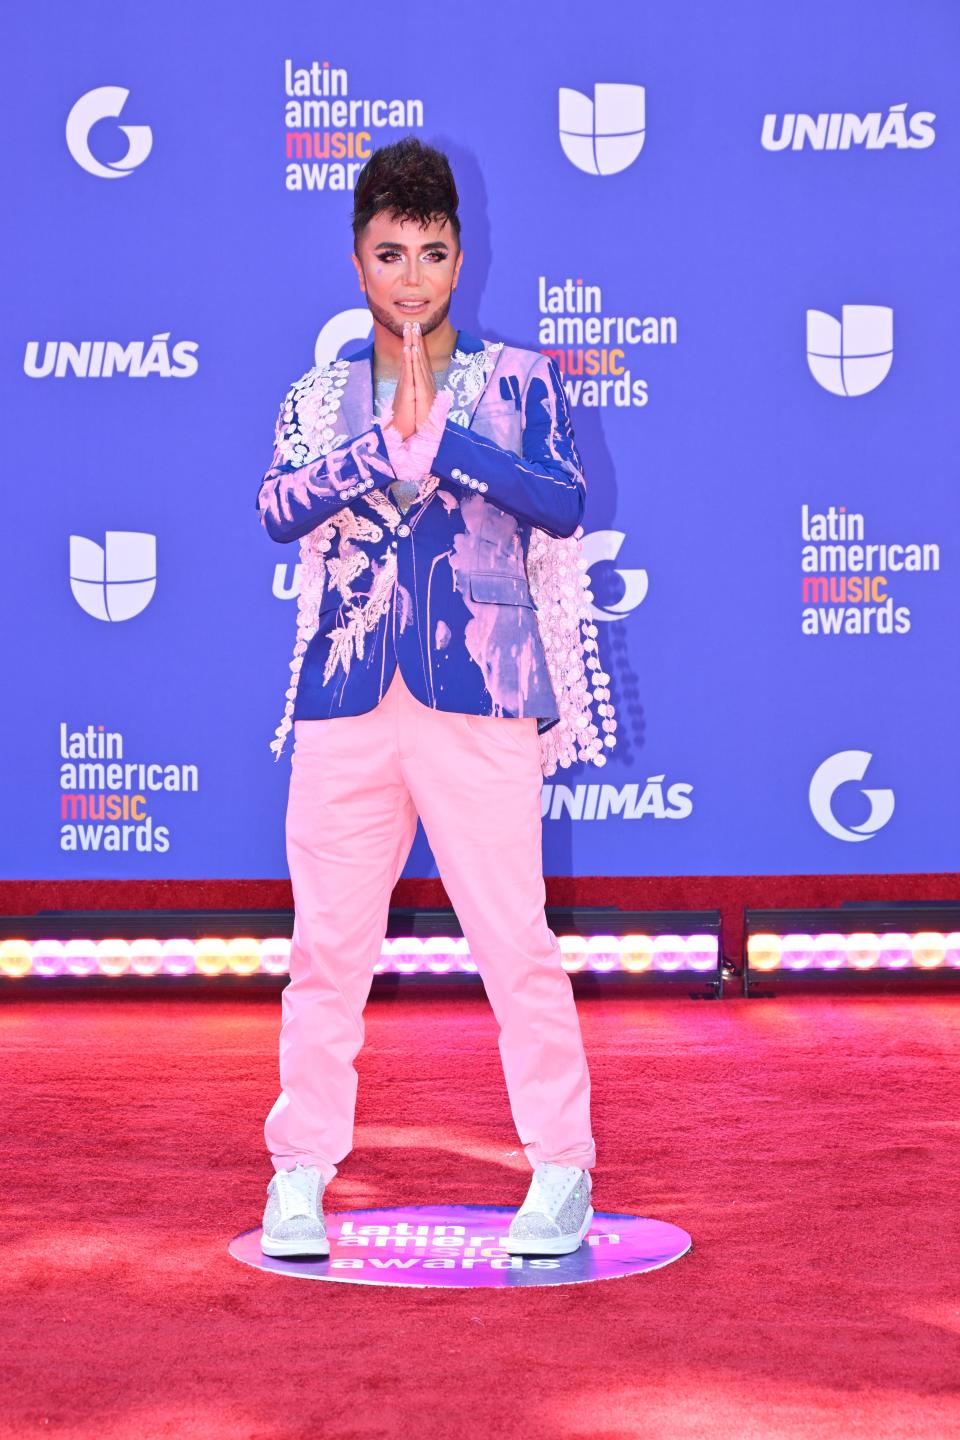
394 245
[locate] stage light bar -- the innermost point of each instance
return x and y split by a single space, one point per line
862 950
885 941
245 955
68 947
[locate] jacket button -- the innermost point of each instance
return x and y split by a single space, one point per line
403 530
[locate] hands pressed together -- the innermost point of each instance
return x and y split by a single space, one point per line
416 389
412 425
413 428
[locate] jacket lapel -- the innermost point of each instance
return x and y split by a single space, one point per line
471 367
356 405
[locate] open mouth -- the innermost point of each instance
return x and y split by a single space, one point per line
411 307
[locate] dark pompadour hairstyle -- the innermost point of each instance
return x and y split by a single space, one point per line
411 180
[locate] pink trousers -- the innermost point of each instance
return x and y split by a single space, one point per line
358 783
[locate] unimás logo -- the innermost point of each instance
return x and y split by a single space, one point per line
106 103
652 799
103 359
841 769
839 130
116 580
605 545
604 135
852 355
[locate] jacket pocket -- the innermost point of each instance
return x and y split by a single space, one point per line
497 588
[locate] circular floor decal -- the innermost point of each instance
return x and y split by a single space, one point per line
459 1245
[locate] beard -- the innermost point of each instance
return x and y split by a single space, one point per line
390 322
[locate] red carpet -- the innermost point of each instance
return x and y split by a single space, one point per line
809 1145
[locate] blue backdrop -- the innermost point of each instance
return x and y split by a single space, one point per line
769 190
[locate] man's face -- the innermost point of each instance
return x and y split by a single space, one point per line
407 273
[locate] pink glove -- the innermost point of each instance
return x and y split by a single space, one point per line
411 458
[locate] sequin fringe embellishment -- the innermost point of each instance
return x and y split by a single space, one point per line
306 432
560 587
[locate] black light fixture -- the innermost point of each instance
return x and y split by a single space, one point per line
875 946
254 945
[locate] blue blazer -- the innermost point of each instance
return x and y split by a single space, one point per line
441 590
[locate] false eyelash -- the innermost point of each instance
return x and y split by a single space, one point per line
431 254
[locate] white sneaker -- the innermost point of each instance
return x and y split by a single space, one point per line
556 1214
293 1221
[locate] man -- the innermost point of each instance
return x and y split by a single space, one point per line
424 478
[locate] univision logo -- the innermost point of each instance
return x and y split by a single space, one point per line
604 135
840 769
116 580
852 355
102 104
